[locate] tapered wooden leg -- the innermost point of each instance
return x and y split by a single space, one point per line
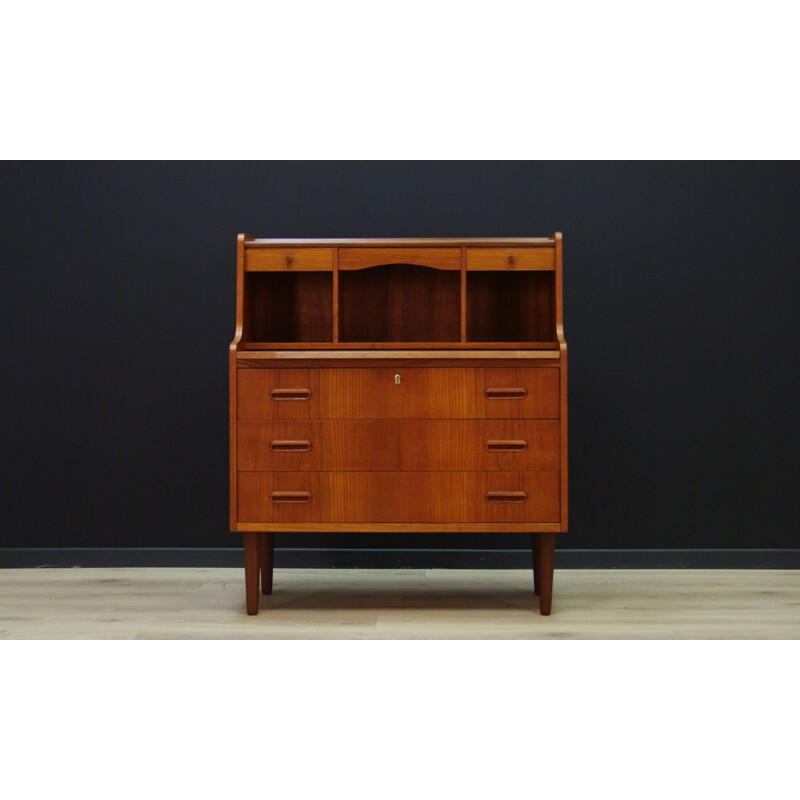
267 551
544 545
535 564
251 567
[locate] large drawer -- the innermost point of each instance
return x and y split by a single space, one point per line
400 445
399 393
275 497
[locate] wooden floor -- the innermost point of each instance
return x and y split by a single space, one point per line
399 604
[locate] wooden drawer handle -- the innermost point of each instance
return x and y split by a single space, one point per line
291 497
291 394
507 497
506 445
290 445
516 393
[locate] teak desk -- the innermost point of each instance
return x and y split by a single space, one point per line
414 385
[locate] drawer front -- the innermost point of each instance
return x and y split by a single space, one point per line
398 445
414 393
439 393
363 257
511 258
352 497
288 259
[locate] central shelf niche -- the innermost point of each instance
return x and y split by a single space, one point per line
399 303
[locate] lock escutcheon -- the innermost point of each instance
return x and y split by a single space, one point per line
397 379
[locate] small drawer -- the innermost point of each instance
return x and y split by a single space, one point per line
448 258
511 258
288 259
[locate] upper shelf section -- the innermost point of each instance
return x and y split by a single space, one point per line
406 293
283 258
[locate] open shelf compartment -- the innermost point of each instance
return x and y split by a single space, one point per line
511 307
399 303
288 307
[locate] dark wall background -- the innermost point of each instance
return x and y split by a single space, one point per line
682 283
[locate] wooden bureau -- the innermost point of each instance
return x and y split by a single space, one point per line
414 385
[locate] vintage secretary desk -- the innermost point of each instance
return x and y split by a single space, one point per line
414 385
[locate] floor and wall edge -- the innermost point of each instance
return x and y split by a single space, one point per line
370 558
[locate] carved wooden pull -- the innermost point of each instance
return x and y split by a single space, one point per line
291 394
290 445
506 445
507 497
516 393
291 497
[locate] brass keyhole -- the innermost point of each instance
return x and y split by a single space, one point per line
397 379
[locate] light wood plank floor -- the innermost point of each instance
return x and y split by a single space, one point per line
399 604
